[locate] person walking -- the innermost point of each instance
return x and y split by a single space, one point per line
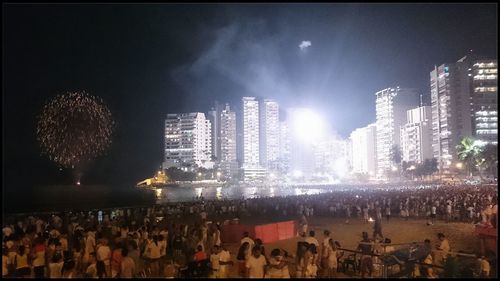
377 228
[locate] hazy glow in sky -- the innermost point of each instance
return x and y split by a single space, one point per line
307 125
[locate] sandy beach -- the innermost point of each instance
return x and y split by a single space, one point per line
460 235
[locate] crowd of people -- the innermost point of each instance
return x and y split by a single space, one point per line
184 239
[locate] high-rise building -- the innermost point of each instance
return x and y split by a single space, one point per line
187 141
391 107
251 164
484 100
228 158
364 154
464 97
284 148
269 134
450 97
416 135
214 116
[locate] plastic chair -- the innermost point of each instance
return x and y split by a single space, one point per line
350 261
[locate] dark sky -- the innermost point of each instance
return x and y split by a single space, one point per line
149 60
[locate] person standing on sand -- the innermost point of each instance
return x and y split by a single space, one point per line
324 250
365 213
366 250
388 212
348 213
442 249
377 228
303 223
256 264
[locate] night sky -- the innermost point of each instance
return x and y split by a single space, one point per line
149 60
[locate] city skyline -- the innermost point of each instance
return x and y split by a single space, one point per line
144 65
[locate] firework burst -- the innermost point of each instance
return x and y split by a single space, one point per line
74 128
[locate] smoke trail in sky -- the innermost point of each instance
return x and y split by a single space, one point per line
304 44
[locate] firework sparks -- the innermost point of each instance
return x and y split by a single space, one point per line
73 128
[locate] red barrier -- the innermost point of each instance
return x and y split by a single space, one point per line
268 233
233 233
286 230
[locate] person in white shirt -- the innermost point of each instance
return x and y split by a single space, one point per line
256 264
332 258
215 262
246 238
312 240
224 261
5 263
433 214
154 254
103 255
443 247
448 212
91 271
324 251
56 266
277 267
89 247
127 266
485 267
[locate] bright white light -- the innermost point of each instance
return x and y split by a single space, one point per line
371 220
297 174
218 174
78 183
271 175
480 143
340 167
304 44
198 191
394 169
307 125
218 193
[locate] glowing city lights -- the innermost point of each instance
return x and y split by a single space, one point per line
307 125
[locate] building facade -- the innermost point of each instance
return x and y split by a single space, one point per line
391 107
269 134
484 100
464 104
214 115
187 141
228 157
284 148
416 135
364 152
251 142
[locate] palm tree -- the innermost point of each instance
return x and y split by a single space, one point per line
468 150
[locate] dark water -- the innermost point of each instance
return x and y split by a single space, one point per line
183 194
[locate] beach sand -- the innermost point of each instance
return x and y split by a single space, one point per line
460 235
